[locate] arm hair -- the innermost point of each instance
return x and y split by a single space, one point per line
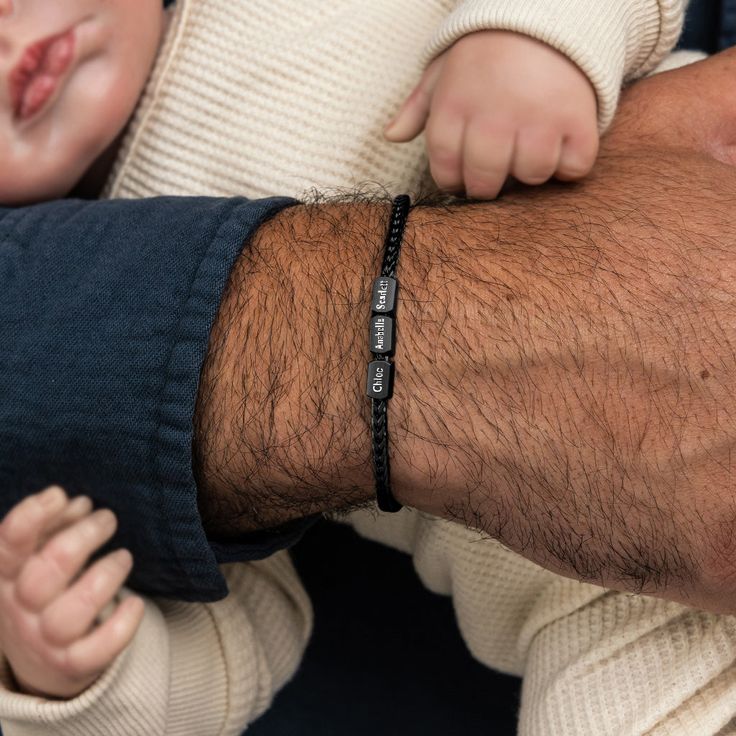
564 373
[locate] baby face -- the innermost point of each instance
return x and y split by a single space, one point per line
71 72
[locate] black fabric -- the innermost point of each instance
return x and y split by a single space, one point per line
706 25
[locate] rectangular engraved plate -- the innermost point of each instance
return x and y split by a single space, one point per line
382 334
380 379
383 298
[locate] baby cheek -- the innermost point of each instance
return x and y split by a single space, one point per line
105 97
18 183
42 166
95 110
29 180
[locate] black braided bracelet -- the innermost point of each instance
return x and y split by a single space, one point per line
382 339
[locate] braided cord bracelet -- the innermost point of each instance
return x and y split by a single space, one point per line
382 342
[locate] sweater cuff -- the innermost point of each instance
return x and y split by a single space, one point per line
617 42
122 702
170 681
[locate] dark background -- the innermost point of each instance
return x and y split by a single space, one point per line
386 656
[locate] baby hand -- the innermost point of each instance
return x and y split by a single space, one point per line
498 103
48 627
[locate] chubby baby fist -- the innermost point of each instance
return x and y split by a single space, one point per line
496 104
49 604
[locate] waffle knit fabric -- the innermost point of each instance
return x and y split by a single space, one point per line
265 96
257 99
192 668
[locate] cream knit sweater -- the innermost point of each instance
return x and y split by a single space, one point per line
202 669
255 99
271 96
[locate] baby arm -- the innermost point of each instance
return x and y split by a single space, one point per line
499 104
524 88
49 607
176 669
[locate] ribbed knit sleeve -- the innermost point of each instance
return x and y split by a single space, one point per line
272 96
594 661
193 669
612 41
625 665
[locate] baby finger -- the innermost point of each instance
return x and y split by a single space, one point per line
76 509
579 151
99 649
23 526
487 155
72 614
536 155
444 138
48 573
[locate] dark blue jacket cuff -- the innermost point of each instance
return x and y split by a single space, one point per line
105 314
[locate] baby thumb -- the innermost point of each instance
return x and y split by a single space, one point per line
409 121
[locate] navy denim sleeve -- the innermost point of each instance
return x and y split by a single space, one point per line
105 314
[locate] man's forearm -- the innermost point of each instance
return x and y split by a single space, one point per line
562 380
281 426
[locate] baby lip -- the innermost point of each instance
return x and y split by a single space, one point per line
38 91
59 55
35 77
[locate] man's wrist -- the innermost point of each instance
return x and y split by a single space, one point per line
283 427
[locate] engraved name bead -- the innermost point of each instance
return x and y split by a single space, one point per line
383 299
382 335
380 379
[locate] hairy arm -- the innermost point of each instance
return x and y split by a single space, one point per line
565 375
